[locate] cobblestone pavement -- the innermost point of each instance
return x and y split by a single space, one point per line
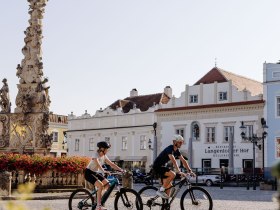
223 199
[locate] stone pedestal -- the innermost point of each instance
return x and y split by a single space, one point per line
5 183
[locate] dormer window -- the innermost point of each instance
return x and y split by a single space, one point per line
222 96
193 98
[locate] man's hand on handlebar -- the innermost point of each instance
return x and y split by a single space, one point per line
191 173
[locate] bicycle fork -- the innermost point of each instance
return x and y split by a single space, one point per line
194 201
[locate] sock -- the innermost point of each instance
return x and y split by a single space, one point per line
162 189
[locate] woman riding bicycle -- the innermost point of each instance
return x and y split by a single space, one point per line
94 170
166 174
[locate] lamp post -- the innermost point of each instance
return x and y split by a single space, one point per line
154 147
254 139
155 140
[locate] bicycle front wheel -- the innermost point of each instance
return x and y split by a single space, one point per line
128 199
80 199
150 199
196 198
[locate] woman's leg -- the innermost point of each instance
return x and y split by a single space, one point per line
105 183
99 186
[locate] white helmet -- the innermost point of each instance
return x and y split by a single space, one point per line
177 138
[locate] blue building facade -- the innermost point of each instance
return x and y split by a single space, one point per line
271 84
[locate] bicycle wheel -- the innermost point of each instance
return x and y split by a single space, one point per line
196 198
80 199
149 198
128 199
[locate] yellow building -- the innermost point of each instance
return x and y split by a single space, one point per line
57 126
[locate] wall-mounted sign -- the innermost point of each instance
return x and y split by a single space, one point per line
223 150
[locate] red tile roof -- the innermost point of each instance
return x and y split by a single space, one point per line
240 82
142 102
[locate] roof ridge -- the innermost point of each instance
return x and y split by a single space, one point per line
222 70
144 95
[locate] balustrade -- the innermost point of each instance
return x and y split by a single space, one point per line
48 180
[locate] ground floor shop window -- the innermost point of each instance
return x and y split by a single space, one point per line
206 165
247 163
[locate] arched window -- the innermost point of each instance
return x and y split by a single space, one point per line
195 130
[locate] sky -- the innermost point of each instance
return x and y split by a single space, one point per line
96 51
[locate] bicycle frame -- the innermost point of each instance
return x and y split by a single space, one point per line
112 184
180 183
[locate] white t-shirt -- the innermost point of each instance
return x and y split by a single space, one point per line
93 165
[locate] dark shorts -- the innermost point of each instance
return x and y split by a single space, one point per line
160 171
92 176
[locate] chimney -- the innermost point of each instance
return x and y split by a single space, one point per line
168 91
133 92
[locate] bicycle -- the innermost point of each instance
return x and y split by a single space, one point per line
124 199
193 197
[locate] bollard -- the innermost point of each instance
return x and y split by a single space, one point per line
5 183
248 183
222 174
127 180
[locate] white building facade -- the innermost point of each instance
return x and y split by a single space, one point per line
124 125
209 114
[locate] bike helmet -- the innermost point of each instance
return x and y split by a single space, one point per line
103 144
178 138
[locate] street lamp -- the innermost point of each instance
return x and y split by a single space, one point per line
254 139
150 144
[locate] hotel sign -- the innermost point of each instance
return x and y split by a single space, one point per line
223 151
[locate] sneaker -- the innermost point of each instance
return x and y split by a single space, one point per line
162 194
101 208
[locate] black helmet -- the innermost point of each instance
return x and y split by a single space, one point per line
103 144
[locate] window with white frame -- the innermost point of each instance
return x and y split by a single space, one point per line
91 144
143 142
278 147
193 98
55 136
124 143
210 134
228 133
180 131
107 139
249 130
278 106
77 144
222 96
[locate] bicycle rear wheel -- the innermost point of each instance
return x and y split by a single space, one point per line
196 198
149 198
80 199
128 199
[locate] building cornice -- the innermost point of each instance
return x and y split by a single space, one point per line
209 106
109 128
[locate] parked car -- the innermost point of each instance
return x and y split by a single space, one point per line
207 179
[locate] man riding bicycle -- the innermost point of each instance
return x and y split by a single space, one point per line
166 174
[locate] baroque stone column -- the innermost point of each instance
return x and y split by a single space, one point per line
27 127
